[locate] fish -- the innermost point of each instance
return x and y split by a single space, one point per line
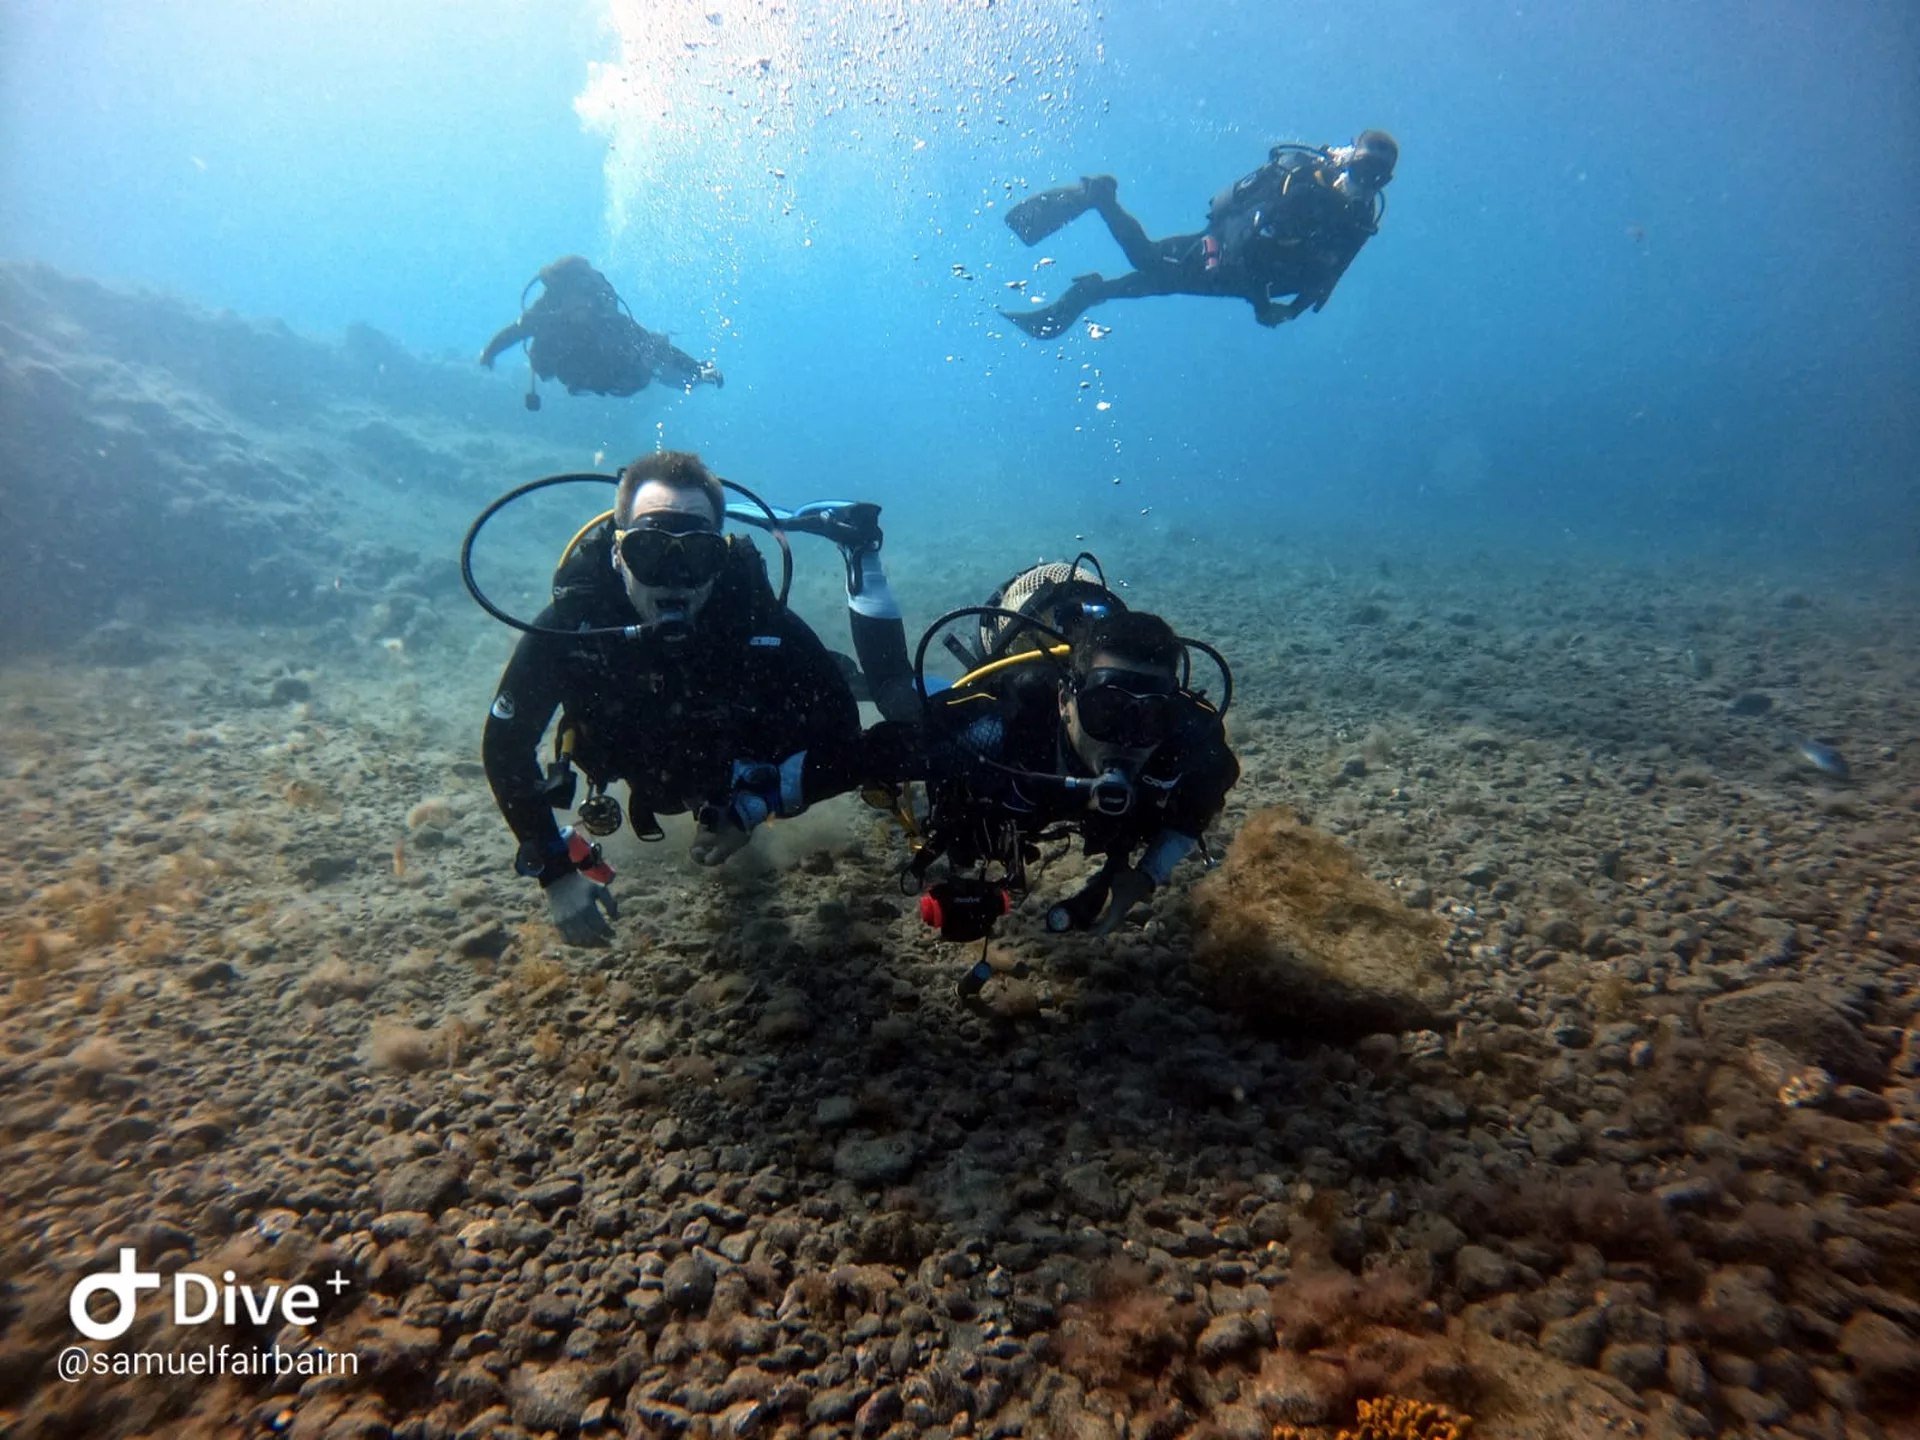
1824 758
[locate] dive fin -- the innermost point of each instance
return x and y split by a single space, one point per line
1038 216
1054 319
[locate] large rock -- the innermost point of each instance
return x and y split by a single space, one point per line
554 1397
1799 1016
872 1161
428 1185
1295 935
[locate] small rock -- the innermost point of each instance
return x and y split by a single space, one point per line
1553 1137
878 1413
214 972
1576 1340
832 1407
482 942
1799 1018
883 1160
1686 1376
1089 1190
1226 1337
1639 1366
428 1185
551 1195
835 1112
1740 1311
1851 1102
1883 1354
554 1397
1561 933
688 1284
1698 1192
118 1135
1480 1272
325 869
401 1225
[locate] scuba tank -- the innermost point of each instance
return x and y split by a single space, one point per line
1066 598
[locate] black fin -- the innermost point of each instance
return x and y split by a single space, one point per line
1038 216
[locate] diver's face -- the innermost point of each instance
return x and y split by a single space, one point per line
1365 173
1125 721
666 507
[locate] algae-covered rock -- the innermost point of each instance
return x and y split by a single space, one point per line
1294 934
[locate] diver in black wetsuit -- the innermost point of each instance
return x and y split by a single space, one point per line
723 702
1100 738
584 336
1279 238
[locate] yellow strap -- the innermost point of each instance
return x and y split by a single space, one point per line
1052 652
581 534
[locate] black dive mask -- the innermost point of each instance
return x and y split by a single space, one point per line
1125 708
671 551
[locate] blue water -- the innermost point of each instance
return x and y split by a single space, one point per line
1647 276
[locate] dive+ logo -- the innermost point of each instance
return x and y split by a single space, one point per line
196 1299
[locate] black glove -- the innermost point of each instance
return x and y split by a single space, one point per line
575 903
1130 887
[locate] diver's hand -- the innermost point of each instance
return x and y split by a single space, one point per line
1272 315
1130 887
575 903
710 375
718 837
486 358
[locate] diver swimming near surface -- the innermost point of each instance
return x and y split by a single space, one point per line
1279 238
579 331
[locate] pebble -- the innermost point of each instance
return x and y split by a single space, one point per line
688 1284
874 1161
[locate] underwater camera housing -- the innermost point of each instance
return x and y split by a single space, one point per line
963 910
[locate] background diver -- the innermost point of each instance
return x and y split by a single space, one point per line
581 333
1279 238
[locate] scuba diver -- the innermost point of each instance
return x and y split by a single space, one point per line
680 670
1077 716
583 335
1279 238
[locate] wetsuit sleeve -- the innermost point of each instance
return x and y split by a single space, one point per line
1209 770
669 361
814 716
507 338
523 704
1317 296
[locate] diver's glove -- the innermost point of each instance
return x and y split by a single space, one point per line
759 790
719 834
1128 887
1134 884
575 903
710 375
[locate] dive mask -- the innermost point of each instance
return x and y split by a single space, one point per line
672 551
1125 708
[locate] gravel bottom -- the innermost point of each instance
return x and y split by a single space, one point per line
274 1004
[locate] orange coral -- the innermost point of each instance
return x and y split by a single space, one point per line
1394 1418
